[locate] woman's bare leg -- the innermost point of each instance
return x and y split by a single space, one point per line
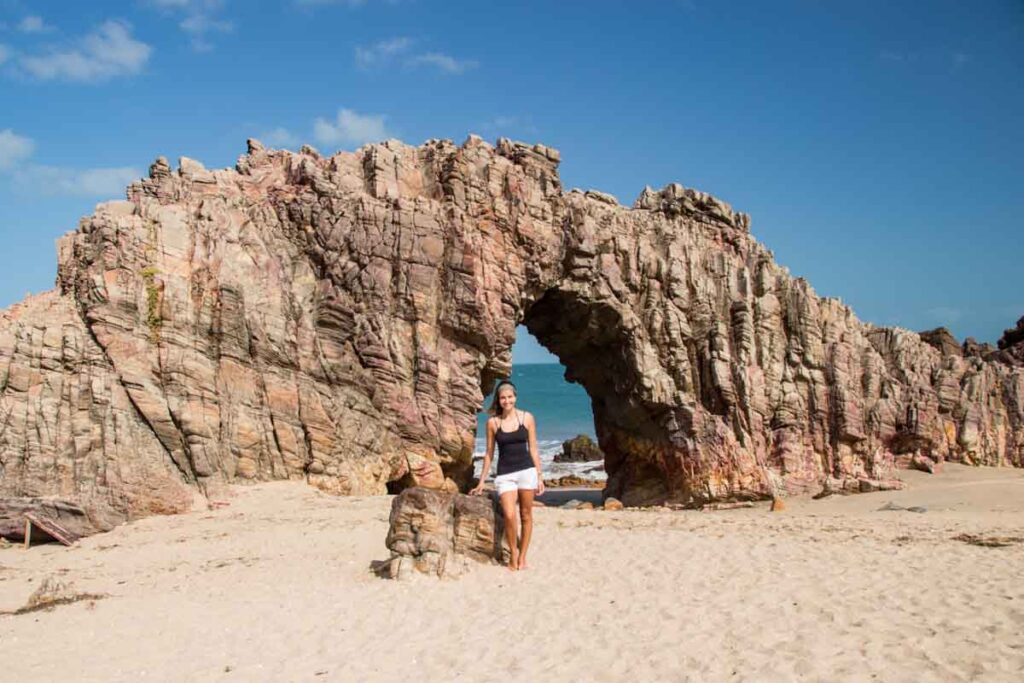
526 517
508 509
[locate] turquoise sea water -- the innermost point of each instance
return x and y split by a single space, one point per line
561 410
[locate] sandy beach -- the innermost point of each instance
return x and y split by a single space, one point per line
277 585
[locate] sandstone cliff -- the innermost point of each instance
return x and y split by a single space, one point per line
340 320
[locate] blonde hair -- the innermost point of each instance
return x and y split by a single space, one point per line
495 409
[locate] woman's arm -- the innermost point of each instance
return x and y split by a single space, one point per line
531 429
487 459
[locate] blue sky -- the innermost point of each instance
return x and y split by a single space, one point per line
876 145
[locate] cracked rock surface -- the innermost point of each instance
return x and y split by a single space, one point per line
340 319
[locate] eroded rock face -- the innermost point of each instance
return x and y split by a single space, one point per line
340 320
439 533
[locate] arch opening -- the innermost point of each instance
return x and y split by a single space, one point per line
561 407
592 340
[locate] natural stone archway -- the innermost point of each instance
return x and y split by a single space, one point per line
339 319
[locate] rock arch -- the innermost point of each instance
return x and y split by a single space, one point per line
337 319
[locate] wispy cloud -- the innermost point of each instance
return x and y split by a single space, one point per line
5 53
349 127
34 24
944 314
90 182
14 149
279 137
379 53
395 51
349 3
107 52
198 19
442 62
504 124
953 60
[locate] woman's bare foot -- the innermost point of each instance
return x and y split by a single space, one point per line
513 564
522 564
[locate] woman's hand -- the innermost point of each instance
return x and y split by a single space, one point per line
540 486
477 490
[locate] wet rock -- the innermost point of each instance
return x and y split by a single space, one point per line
579 449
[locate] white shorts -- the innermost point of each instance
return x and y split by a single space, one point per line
523 479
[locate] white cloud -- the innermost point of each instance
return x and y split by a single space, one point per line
387 52
382 52
281 138
14 149
505 125
350 128
34 24
198 19
90 182
442 62
5 53
107 52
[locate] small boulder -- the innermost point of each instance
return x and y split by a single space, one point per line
924 464
613 504
778 505
579 449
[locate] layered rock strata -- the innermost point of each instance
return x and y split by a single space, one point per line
441 534
340 319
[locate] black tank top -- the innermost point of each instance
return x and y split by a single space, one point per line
513 449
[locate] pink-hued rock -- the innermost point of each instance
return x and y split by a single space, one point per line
439 533
339 320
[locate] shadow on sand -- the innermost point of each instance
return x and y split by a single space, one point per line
555 497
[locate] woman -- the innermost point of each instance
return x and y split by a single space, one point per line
519 475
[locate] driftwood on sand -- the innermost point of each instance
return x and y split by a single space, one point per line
40 519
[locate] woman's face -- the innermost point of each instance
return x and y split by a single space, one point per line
506 399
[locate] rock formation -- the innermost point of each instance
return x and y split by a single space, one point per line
580 448
439 533
340 319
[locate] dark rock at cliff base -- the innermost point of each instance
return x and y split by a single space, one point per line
579 449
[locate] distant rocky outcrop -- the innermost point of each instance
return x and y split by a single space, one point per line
943 341
1011 345
339 320
580 448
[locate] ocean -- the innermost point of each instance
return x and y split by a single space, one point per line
561 410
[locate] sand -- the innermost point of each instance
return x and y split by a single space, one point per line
277 585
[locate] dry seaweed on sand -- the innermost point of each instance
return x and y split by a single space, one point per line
52 593
989 541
